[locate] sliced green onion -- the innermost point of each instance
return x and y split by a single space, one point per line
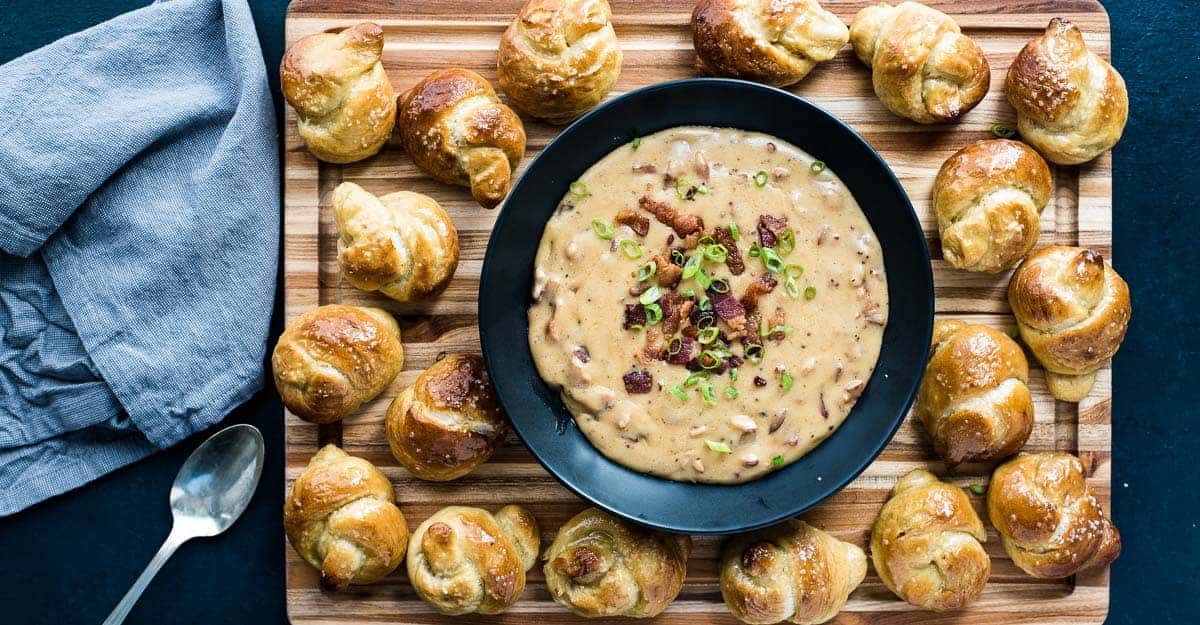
709 359
632 249
702 189
718 446
734 232
810 292
817 167
695 379
731 393
716 253
733 374
692 265
704 303
679 393
602 228
760 179
764 331
675 346
707 394
978 489
787 242
637 327
636 142
703 279
653 314
777 461
771 260
1002 131
646 271
755 251
690 293
792 288
754 352
683 186
793 271
707 335
786 381
677 257
579 189
720 285
650 295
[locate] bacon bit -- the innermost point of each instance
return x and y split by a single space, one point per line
769 229
682 223
697 314
770 147
638 382
635 314
582 354
675 309
655 348
637 289
763 285
690 241
821 403
668 274
734 259
776 422
727 307
690 331
760 381
778 318
688 349
645 168
734 361
749 335
638 223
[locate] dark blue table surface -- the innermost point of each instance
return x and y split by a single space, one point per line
69 560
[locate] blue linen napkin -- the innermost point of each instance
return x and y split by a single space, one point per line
139 231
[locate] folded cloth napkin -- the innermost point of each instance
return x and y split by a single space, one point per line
139 231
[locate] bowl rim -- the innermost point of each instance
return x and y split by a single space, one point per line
564 135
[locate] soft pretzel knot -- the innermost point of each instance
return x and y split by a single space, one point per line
1071 104
974 400
926 544
332 359
789 572
988 198
600 566
336 83
559 58
448 422
466 560
923 67
402 244
341 517
457 131
1072 310
777 42
1049 522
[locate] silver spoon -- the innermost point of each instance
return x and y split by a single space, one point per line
210 492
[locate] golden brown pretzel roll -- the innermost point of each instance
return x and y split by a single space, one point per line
448 422
974 401
464 560
341 517
601 566
1072 310
988 199
792 571
1050 524
777 42
1071 104
558 58
402 244
922 66
926 544
336 83
457 131
332 359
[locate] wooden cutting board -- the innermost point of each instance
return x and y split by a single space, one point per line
426 35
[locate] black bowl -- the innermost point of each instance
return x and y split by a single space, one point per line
538 414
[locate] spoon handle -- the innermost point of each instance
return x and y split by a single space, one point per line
173 541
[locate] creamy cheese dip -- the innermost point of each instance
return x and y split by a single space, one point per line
675 358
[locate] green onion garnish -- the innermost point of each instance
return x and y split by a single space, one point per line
694 379
702 189
718 446
777 461
817 167
602 228
709 359
632 249
733 374
720 285
792 288
786 381
731 392
760 179
771 260
810 292
707 394
754 352
692 266
636 142
787 242
793 271
1002 131
675 345
637 327
650 295
653 314
716 253
690 293
677 257
734 231
764 331
703 279
704 303
679 393
978 489
579 189
646 271
705 240
707 335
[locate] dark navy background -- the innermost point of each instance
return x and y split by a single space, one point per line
71 559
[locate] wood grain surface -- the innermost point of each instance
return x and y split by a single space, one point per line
423 35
